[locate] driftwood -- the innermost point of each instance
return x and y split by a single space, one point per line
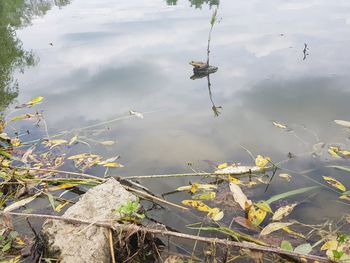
110 224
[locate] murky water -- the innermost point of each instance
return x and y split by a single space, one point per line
96 60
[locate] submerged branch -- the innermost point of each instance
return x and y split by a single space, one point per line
214 241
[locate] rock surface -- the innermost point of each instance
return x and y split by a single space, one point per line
74 243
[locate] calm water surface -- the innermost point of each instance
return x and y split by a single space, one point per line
108 57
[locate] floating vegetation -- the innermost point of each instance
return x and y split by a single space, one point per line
222 201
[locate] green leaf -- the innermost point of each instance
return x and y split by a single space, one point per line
337 254
286 245
305 248
52 201
264 206
291 193
5 154
7 246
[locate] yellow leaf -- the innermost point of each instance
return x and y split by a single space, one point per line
199 205
62 186
272 227
19 241
345 197
256 216
262 161
333 151
35 101
73 140
61 206
290 231
216 214
113 165
16 142
234 180
264 206
205 196
283 212
222 165
279 125
345 152
22 117
194 188
331 244
335 183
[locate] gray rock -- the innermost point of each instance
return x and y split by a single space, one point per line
75 243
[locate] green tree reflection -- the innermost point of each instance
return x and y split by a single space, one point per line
196 3
15 14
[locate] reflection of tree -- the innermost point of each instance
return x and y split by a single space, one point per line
13 15
199 3
214 107
196 3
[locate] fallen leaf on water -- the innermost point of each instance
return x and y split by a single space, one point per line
135 113
216 214
54 143
335 183
62 186
345 152
303 249
205 196
272 227
22 117
34 101
213 213
285 176
113 165
292 232
197 185
234 180
343 123
256 216
264 206
222 165
333 151
21 203
107 143
16 142
239 196
261 161
286 245
283 212
245 223
279 125
73 140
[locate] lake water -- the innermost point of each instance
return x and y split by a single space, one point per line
96 60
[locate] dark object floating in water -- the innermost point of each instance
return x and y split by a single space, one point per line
201 69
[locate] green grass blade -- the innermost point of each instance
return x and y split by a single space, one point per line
290 193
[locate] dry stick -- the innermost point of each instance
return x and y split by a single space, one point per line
111 247
152 197
54 171
116 226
